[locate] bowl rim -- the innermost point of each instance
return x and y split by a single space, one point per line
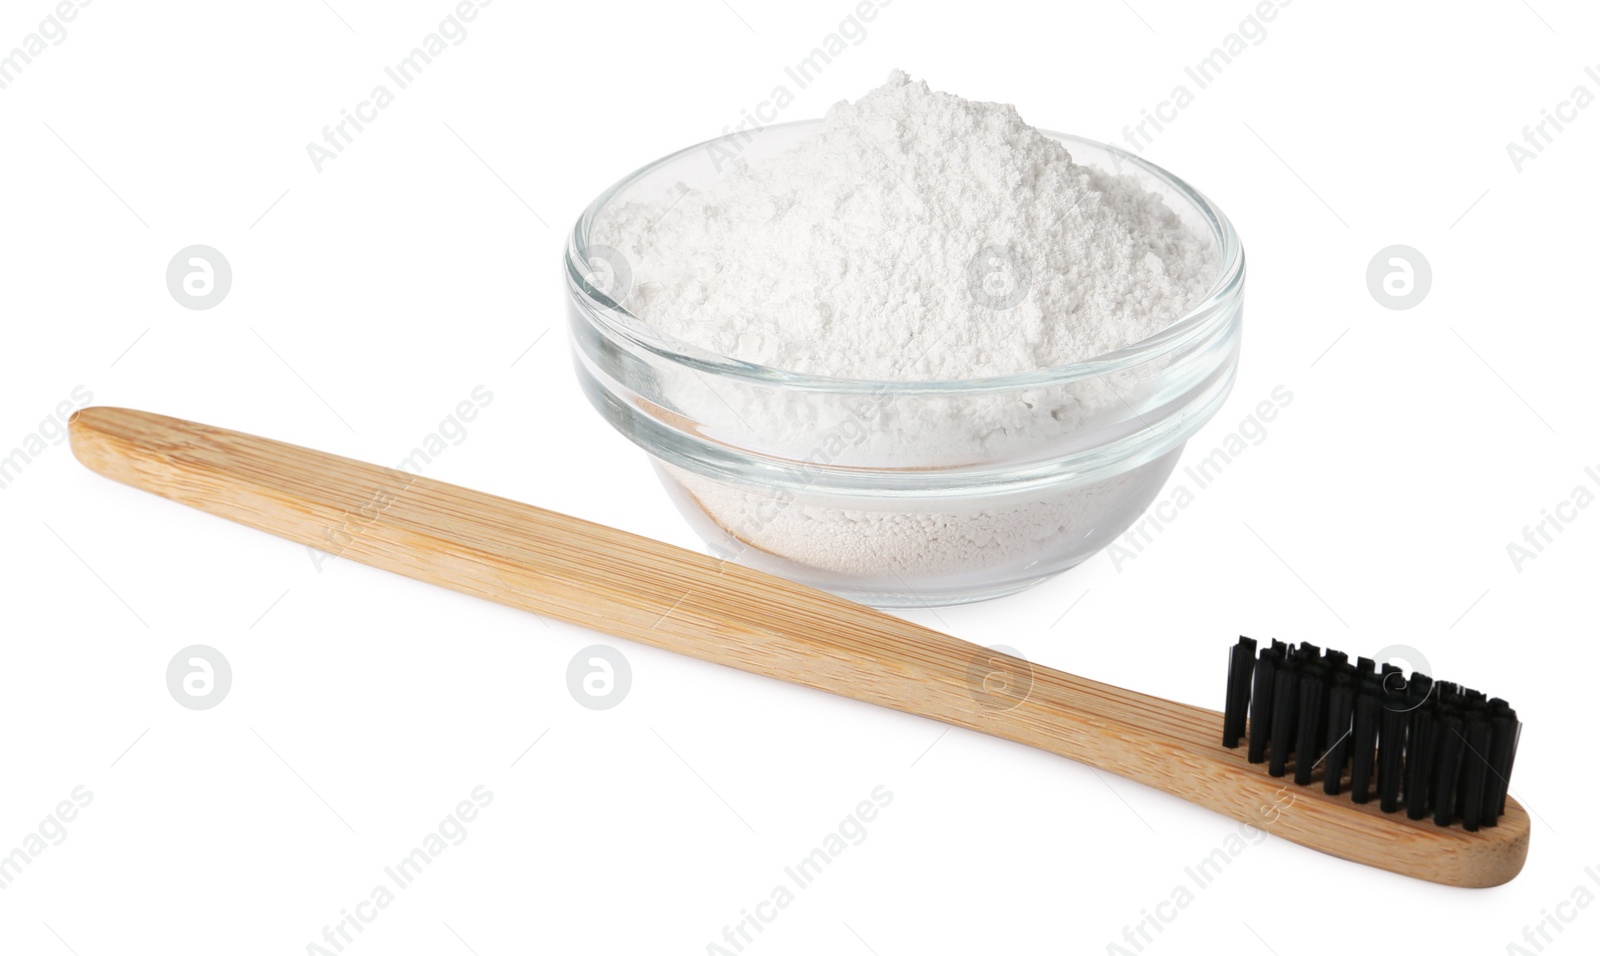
1215 308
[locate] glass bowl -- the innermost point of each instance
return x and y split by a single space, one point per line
851 485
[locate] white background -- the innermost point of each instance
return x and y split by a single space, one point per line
370 298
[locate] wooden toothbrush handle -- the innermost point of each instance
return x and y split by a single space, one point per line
668 597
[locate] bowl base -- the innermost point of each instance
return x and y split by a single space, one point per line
927 600
895 595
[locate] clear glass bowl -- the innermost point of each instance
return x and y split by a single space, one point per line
847 484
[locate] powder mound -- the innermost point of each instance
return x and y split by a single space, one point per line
917 236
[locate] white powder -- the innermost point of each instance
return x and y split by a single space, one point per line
917 237
849 256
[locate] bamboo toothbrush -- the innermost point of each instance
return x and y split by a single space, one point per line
1302 702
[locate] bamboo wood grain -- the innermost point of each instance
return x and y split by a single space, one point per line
671 598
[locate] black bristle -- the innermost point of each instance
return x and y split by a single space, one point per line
1261 703
1502 731
1391 746
1241 665
1285 708
1419 763
1341 709
1448 771
1474 773
1511 759
1313 708
1433 747
1325 675
1364 740
1392 677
